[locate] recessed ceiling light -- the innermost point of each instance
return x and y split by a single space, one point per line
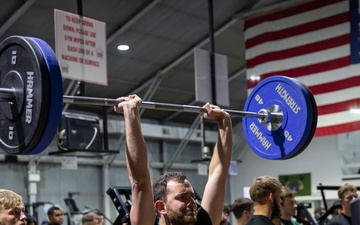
123 47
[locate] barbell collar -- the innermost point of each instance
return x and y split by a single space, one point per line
7 95
83 100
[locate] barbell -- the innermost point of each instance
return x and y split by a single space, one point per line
279 117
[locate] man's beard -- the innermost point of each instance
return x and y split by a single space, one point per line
180 218
3 223
276 211
6 222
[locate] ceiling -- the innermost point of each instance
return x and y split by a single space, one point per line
162 35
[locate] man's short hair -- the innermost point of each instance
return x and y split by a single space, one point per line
51 210
287 193
241 204
89 215
160 185
30 219
227 209
262 187
9 199
345 188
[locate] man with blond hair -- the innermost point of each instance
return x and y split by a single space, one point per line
12 210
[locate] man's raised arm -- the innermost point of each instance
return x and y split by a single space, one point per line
214 192
142 209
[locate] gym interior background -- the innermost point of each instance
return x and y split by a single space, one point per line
159 67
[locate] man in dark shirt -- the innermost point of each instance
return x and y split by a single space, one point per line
346 194
265 193
174 197
243 209
55 216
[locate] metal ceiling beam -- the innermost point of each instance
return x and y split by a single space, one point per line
183 144
16 16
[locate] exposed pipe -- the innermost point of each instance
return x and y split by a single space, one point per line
16 16
99 162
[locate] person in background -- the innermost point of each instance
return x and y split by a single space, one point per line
12 210
319 212
225 215
93 217
172 194
288 207
31 220
265 192
243 209
346 194
55 216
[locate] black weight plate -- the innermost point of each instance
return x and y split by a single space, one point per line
55 93
22 125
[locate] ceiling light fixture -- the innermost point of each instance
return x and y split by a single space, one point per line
123 47
255 78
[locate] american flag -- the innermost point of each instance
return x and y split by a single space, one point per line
316 42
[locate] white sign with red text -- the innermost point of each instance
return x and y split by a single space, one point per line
80 45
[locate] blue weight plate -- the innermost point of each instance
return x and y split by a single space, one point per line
22 121
293 134
314 117
55 94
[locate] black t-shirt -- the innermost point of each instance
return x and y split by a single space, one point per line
203 217
259 220
340 219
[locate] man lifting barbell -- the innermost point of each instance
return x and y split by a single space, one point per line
174 197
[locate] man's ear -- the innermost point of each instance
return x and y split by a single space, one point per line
160 207
271 197
341 201
246 213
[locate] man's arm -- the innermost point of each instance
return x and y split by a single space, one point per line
142 209
214 192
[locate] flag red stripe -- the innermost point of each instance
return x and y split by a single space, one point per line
296 30
339 107
337 129
300 50
306 70
336 85
289 12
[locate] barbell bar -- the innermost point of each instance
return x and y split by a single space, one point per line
7 95
263 116
279 117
